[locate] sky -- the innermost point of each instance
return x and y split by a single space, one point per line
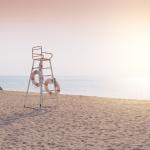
87 37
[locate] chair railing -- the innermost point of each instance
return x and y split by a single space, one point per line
47 55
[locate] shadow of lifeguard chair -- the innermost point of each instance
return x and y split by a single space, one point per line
44 80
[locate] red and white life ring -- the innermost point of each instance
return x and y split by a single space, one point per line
33 74
56 85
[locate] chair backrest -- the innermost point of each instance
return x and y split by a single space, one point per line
37 52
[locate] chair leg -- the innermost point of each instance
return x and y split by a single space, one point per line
28 85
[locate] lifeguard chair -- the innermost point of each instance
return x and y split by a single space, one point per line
38 67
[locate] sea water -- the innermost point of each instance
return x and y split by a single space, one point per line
126 88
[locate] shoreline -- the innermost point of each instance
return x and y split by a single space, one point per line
98 97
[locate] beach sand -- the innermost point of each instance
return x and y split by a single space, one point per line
73 123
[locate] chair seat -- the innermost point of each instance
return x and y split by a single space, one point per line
41 59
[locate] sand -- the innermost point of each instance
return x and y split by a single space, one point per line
73 123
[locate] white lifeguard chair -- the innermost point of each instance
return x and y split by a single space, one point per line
39 57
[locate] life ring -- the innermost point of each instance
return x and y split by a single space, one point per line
36 72
56 85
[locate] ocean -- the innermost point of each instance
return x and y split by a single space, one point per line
125 88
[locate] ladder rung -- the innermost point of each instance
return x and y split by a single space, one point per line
35 67
46 68
42 68
49 90
47 75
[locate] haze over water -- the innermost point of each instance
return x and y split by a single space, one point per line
128 88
